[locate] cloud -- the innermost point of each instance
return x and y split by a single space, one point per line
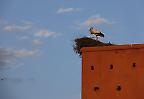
6 57
27 29
37 42
26 53
16 28
95 21
2 22
45 33
22 37
68 10
10 58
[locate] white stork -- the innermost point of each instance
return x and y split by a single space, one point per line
96 32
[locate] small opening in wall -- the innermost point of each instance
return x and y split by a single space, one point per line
134 65
118 88
96 88
111 66
92 67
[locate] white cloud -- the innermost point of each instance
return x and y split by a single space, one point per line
95 21
6 57
9 58
6 26
16 28
37 42
22 37
27 22
2 23
45 33
67 10
26 53
27 28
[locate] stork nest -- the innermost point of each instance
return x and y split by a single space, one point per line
87 42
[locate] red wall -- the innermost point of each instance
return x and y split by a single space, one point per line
113 72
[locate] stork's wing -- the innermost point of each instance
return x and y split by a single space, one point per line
101 34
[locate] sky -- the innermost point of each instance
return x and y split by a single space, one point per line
37 60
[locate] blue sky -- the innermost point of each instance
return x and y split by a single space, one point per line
36 37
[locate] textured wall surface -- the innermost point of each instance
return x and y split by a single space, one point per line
113 72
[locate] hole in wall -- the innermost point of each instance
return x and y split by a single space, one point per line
118 88
111 66
134 65
92 67
96 88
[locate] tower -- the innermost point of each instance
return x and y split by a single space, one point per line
113 72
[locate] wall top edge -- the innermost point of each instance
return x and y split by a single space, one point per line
113 47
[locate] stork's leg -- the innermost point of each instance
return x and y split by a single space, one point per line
93 37
96 38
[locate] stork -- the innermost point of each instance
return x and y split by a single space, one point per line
96 32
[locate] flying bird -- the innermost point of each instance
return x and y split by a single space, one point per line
96 32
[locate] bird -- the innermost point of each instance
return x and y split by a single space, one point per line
96 32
